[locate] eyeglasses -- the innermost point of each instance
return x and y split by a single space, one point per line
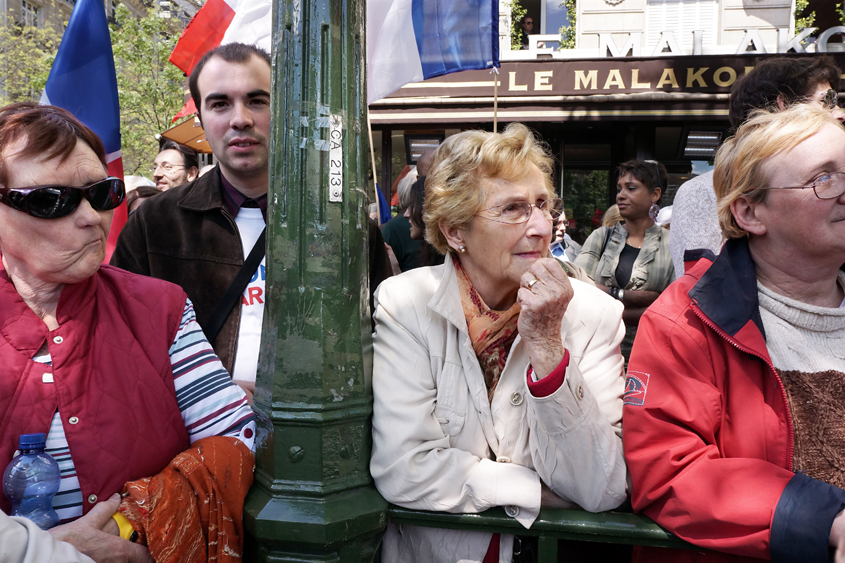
54 202
826 186
166 167
518 212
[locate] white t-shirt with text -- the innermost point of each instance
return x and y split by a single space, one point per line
250 223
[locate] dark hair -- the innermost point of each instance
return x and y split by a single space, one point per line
48 131
141 192
792 78
416 201
190 159
651 173
428 254
231 53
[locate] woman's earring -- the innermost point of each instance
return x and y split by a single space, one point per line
462 249
653 211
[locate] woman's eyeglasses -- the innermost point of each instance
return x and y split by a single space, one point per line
826 186
518 212
54 202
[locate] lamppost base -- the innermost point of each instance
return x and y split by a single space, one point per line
344 528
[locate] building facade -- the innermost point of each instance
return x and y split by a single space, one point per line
646 79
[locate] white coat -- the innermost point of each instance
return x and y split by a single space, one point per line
437 439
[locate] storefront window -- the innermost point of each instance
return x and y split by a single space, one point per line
398 160
585 196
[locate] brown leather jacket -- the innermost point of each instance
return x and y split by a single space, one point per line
186 236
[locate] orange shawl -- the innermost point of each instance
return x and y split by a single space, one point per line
192 512
491 332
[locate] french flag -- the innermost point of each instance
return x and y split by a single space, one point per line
83 81
413 40
219 22
223 21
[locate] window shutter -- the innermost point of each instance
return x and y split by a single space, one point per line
681 17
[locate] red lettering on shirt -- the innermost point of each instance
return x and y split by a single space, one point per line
255 295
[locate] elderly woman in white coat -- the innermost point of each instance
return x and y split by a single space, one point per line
497 379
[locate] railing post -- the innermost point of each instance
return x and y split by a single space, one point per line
313 498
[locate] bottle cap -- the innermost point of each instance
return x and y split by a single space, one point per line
29 441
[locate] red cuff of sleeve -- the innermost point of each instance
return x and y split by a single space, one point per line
551 382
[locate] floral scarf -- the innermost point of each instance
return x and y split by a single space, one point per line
491 332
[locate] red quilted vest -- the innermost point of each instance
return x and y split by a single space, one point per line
112 378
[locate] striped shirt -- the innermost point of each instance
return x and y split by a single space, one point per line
211 405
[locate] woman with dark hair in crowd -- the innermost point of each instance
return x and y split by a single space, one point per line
428 255
631 260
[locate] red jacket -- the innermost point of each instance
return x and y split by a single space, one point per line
707 430
112 378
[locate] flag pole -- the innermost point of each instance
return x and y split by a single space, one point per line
373 160
495 71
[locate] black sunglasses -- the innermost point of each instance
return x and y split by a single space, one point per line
54 202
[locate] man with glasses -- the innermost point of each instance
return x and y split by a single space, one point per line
175 165
774 84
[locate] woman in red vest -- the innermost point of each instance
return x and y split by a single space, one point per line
110 365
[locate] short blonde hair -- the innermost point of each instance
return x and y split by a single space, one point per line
741 162
611 216
453 189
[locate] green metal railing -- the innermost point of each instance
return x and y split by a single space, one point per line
552 524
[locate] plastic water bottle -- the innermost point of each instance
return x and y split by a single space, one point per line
31 481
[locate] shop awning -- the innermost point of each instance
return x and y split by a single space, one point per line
190 134
687 88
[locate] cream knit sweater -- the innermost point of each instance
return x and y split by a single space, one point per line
803 337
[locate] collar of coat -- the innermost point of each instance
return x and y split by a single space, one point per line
205 193
726 291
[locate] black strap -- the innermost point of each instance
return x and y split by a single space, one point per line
606 240
230 298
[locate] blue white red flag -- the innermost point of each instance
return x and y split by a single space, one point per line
83 81
413 40
219 22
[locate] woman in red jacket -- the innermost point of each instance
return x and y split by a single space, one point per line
735 397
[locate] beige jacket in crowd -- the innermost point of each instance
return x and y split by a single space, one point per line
21 541
437 440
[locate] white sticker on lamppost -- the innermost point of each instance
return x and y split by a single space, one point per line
336 158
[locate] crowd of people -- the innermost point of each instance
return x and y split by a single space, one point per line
508 357
731 376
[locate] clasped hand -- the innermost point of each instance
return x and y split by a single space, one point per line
543 303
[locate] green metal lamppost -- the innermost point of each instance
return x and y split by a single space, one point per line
313 498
